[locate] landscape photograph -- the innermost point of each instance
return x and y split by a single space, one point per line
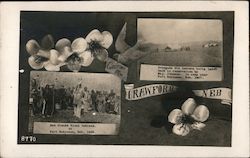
181 42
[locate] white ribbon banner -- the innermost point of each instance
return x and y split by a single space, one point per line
132 93
147 91
224 94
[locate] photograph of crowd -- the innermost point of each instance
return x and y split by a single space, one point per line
76 97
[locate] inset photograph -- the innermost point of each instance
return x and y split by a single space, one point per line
186 49
65 99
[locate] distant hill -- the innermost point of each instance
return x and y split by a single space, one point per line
196 56
152 47
195 43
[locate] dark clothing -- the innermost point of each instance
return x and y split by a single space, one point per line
110 104
49 99
62 97
94 100
35 105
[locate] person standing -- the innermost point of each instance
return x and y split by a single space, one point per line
35 101
62 97
86 100
94 101
45 94
74 99
78 101
53 99
110 105
48 107
71 97
67 98
117 105
101 101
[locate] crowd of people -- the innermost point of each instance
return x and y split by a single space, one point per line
48 99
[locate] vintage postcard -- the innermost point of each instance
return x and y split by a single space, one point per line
80 77
124 79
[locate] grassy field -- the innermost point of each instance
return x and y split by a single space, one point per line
197 56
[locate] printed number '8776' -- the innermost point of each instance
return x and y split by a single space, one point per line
28 139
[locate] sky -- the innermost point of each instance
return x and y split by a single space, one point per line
162 31
97 81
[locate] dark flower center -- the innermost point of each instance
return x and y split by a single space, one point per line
94 46
74 59
40 59
187 119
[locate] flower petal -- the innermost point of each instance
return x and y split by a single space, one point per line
32 47
44 53
35 63
62 43
79 45
51 67
94 35
198 125
54 54
107 39
65 53
74 62
87 58
47 42
120 44
188 106
181 129
175 116
101 54
201 113
62 58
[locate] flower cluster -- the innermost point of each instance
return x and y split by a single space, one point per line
81 52
191 116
